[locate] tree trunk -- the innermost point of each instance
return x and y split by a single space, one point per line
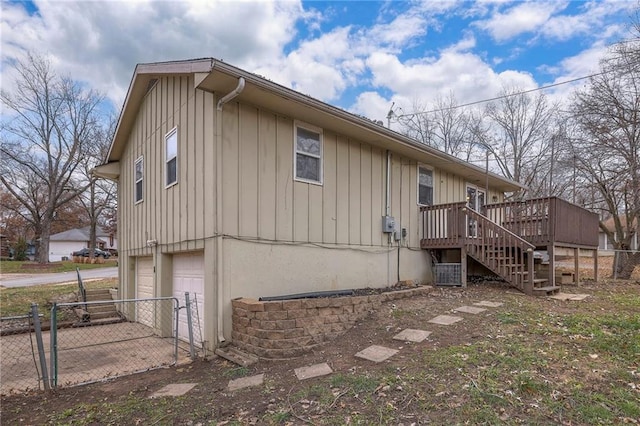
93 218
627 263
42 250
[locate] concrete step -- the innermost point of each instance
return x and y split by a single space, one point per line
237 356
97 309
100 321
96 295
102 315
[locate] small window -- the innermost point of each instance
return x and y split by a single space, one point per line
425 186
308 154
139 177
171 157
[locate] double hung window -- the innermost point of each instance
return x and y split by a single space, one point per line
308 153
425 186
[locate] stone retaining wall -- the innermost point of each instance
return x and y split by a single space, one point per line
289 328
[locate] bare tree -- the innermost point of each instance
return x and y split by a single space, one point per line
43 142
100 196
444 126
518 132
607 112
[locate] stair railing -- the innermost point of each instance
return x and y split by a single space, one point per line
501 250
82 292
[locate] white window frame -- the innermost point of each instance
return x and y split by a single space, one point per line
171 134
314 129
139 160
433 186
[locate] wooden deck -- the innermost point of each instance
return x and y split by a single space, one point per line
504 236
541 222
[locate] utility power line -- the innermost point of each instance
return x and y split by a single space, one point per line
548 86
509 95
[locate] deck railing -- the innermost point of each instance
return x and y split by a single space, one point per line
501 250
455 225
443 225
547 221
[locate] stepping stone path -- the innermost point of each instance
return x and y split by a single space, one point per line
174 389
376 353
489 304
373 353
312 371
469 309
567 296
245 382
445 320
411 335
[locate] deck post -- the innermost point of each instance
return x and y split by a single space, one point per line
463 266
552 265
528 287
595 265
576 264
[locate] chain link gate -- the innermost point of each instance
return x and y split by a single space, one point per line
142 335
22 354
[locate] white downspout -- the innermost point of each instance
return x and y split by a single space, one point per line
235 92
387 209
387 212
218 259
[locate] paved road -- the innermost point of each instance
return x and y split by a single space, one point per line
24 280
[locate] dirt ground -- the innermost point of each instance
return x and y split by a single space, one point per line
410 392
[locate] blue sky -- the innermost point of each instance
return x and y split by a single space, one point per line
358 55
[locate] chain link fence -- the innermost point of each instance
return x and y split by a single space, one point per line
22 354
94 340
142 337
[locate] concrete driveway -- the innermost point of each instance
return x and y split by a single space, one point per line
86 354
24 280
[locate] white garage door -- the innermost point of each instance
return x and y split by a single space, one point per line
188 276
145 311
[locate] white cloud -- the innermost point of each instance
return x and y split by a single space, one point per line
101 42
464 74
522 18
583 64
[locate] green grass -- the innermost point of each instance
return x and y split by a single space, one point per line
17 300
535 364
18 267
234 373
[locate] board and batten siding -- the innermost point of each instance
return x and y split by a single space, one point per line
260 197
183 214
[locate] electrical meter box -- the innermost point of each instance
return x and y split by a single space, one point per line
388 224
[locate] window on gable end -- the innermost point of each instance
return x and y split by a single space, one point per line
171 157
425 186
308 153
138 180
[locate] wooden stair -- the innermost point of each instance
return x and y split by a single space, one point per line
505 254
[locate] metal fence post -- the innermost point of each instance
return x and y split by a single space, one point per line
176 312
41 355
187 302
53 337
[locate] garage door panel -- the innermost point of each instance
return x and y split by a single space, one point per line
145 311
188 277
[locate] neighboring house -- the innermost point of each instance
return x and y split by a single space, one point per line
62 244
605 243
230 185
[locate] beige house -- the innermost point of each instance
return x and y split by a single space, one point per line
230 185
